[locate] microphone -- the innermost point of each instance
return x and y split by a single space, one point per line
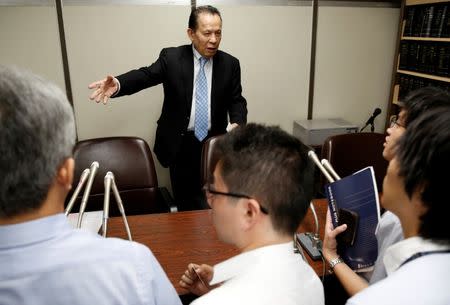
110 183
370 121
311 241
83 177
330 169
87 191
312 155
107 181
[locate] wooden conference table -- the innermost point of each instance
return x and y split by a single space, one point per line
177 239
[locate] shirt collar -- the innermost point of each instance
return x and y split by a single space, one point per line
34 231
197 55
238 264
399 252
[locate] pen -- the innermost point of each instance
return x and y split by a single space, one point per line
196 273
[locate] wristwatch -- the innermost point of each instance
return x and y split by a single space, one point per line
335 261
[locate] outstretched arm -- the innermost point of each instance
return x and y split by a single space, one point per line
104 89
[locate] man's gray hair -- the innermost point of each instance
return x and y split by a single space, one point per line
37 133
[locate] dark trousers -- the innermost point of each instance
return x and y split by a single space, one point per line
185 175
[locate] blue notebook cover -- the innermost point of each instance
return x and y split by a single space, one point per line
358 193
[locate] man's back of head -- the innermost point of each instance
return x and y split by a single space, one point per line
259 192
37 134
272 167
43 260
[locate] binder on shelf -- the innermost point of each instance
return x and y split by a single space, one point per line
357 193
428 14
437 27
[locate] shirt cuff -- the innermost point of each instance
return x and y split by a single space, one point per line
118 87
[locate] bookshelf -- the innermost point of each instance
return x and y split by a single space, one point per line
422 51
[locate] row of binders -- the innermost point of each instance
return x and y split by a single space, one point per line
408 83
425 57
427 20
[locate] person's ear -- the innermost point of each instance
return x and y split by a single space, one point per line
419 207
190 33
64 176
252 213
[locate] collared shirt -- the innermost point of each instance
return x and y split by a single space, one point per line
267 275
46 261
422 281
389 231
398 253
208 73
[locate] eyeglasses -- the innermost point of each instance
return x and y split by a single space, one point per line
394 122
208 191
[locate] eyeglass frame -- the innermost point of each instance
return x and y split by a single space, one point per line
394 121
207 189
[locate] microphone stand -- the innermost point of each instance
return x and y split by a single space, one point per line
311 240
372 127
87 191
83 176
110 183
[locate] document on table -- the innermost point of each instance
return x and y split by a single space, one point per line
92 221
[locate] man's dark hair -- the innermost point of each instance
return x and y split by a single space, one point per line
193 18
268 164
423 99
37 133
424 163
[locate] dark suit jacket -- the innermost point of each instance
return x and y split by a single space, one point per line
175 70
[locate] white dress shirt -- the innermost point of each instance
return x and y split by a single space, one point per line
46 261
268 275
422 281
389 231
208 73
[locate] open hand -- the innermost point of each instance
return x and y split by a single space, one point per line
104 89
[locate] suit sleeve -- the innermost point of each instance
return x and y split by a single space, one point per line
145 77
238 106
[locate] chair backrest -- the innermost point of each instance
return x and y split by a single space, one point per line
208 160
131 162
350 152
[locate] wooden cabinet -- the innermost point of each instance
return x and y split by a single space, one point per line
423 49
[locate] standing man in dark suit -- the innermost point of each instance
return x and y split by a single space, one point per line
202 88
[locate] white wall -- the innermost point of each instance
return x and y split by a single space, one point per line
353 66
29 39
355 54
272 44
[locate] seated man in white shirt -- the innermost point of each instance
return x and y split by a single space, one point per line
415 189
259 193
43 260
